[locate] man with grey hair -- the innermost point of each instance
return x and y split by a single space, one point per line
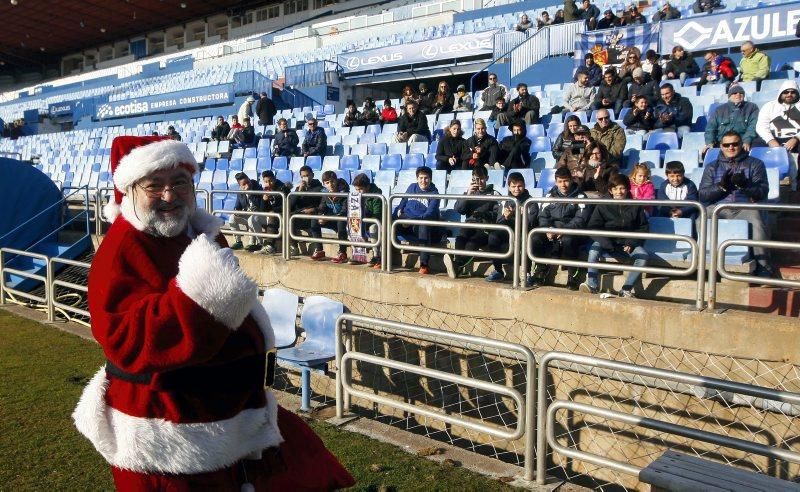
754 64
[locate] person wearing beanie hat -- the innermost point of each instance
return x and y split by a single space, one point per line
593 71
641 86
462 99
183 400
608 20
735 115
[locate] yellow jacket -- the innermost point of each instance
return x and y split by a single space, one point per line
755 66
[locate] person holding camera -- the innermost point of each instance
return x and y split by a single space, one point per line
735 177
480 150
451 147
573 153
565 138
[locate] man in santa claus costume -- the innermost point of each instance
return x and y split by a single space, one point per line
182 402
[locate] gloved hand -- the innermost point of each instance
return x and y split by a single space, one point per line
725 182
739 180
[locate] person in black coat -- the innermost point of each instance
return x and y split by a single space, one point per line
272 203
642 87
515 149
640 118
681 65
450 150
246 202
304 204
315 141
412 125
286 140
480 150
608 20
221 131
612 94
265 110
524 107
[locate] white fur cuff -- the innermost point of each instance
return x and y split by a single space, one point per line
211 277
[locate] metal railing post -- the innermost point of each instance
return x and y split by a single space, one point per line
712 264
2 278
48 290
701 261
515 278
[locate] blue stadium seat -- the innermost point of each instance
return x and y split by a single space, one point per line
580 114
534 131
650 157
280 163
433 146
343 174
633 141
669 250
237 154
540 144
377 148
358 149
222 164
777 157
391 161
398 148
295 163
503 132
662 141
711 156
330 163
732 229
689 158
374 129
555 129
284 175
350 162
418 148
547 179
210 164
263 164
313 161
250 152
367 138
236 165
413 161
371 162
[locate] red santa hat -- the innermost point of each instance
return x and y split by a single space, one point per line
134 158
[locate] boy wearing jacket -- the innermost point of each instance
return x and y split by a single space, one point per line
560 215
677 187
335 206
505 211
476 212
420 209
614 217
373 209
304 204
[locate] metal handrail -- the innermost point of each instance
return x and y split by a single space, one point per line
717 260
45 279
382 223
344 389
513 237
543 415
559 32
236 232
697 262
62 283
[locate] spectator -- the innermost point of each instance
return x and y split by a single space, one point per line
652 66
154 134
736 177
667 12
412 126
335 206
673 113
246 109
351 116
463 101
631 63
304 204
235 128
498 109
642 87
778 121
505 212
591 69
420 209
560 215
370 115
612 217
524 24
640 119
677 187
515 149
570 11
736 115
580 95
544 20
274 204
589 167
451 148
425 99
642 187
475 212
265 110
610 134
221 131
315 141
442 101
609 20
589 13
681 65
717 69
253 203
559 17
174 135
388 114
706 6
573 157
373 209
633 17
492 92
408 96
524 107
286 140
612 93
754 64
566 138
245 136
480 150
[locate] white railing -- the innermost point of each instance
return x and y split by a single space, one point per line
547 41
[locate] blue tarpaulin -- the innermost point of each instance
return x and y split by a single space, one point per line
24 192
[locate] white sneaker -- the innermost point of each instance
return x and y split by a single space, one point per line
294 250
268 249
449 266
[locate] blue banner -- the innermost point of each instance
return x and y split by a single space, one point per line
63 108
609 46
173 101
448 48
761 26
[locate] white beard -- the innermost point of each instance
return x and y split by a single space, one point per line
169 226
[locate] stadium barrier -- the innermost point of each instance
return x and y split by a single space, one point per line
558 39
696 264
717 260
280 217
491 394
379 241
45 279
55 302
513 250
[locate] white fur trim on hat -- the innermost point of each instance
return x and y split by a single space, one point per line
154 445
147 159
212 278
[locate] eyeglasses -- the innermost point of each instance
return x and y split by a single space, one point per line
603 118
312 124
492 78
158 190
789 92
729 145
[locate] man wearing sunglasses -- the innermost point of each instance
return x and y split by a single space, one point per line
779 124
184 401
735 177
494 90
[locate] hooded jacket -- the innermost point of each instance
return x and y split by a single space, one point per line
755 189
335 205
249 202
529 103
419 208
686 191
648 89
564 215
755 66
285 145
617 217
613 139
315 142
479 211
636 120
516 152
740 118
777 120
679 107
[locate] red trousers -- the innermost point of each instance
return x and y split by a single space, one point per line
305 465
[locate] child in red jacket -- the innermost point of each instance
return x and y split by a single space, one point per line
389 114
